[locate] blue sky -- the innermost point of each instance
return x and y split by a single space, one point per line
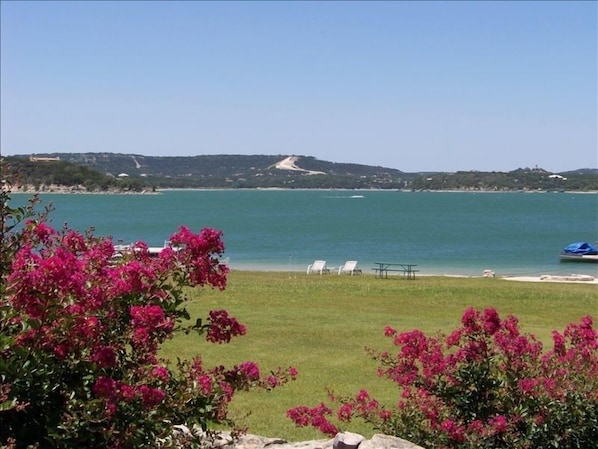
415 86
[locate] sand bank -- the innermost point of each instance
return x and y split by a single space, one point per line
573 278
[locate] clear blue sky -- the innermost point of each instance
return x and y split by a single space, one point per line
409 85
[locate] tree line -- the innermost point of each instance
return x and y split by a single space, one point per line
240 174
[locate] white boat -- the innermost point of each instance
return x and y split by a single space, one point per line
579 257
154 251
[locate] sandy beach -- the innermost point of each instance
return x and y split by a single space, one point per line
573 278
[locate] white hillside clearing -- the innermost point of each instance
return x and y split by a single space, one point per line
289 164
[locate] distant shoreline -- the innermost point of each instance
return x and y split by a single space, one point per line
372 190
75 191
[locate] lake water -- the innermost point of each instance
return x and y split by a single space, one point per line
443 233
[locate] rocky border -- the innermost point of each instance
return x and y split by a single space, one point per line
343 440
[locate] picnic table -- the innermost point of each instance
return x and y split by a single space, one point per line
382 268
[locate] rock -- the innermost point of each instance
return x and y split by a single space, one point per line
257 442
183 437
388 442
344 440
347 440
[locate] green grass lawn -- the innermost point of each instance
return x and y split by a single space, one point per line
321 325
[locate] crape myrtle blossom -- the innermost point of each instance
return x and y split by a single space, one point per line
484 385
81 331
223 327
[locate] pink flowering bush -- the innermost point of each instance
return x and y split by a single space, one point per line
486 385
80 333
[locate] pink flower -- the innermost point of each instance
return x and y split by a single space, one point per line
455 432
227 390
454 338
151 317
141 336
549 385
75 242
89 327
328 428
300 415
249 370
161 373
110 410
362 396
104 387
61 350
42 231
272 381
205 385
385 415
511 324
151 396
470 320
389 331
198 250
583 336
104 356
345 412
126 392
412 343
491 321
559 343
527 386
475 427
223 327
499 423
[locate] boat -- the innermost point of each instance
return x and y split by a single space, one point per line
154 251
579 252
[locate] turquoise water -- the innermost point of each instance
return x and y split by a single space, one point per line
444 233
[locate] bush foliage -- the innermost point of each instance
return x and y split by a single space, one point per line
486 385
80 331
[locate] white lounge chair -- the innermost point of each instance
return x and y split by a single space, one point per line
319 266
350 267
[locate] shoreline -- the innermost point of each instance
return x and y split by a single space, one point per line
77 190
573 279
539 278
340 189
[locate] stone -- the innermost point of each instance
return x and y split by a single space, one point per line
380 441
343 440
347 440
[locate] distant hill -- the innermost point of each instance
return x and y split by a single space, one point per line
116 171
581 171
210 165
233 171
